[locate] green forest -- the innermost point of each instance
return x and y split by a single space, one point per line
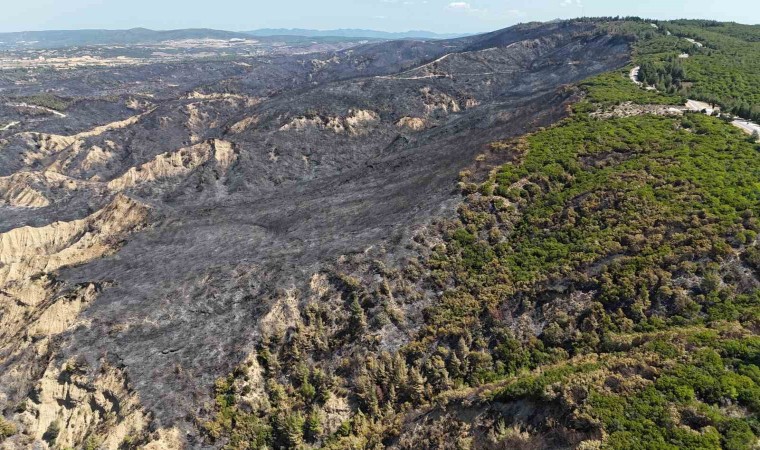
598 288
722 66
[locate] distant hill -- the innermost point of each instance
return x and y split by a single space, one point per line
70 38
74 38
353 33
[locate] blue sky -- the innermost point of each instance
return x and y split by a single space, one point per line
450 16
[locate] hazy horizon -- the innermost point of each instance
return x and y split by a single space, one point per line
379 30
393 16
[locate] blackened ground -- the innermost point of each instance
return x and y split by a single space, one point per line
188 293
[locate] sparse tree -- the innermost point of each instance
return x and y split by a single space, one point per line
416 386
313 426
358 320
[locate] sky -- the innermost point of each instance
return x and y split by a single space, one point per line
443 16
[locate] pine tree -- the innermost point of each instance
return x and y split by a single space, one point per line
313 426
392 397
323 384
358 320
289 429
367 393
416 386
455 367
398 376
462 351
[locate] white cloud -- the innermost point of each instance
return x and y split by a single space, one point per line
462 6
577 3
484 14
466 7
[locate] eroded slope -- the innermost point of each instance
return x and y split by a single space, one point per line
221 208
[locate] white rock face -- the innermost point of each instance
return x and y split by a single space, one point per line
412 123
698 44
356 122
438 101
244 124
16 191
67 397
32 313
64 150
176 164
29 251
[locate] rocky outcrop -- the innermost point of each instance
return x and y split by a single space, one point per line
72 410
438 102
29 256
97 157
47 144
356 122
629 109
176 164
244 124
59 152
28 189
28 251
248 101
207 113
16 192
224 154
33 310
412 123
197 121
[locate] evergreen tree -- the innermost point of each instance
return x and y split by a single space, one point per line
289 429
416 386
313 425
358 320
398 378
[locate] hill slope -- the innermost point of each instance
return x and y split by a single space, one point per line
497 241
